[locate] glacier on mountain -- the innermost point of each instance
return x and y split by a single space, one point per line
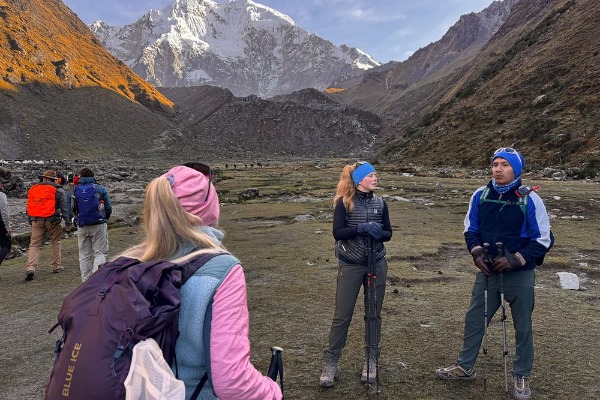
241 45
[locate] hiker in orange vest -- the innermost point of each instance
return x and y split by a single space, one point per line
46 206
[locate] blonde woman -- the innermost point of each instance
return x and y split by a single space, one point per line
361 224
180 215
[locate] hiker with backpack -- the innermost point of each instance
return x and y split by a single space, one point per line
509 221
92 209
5 232
361 224
202 330
181 214
46 207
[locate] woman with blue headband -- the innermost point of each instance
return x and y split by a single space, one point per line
361 224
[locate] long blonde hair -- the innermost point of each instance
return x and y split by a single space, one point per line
167 226
345 187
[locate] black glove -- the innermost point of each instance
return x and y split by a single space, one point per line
507 263
371 228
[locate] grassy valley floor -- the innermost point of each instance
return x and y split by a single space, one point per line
284 240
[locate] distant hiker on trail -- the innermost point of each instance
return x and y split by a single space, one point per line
507 231
46 206
62 181
180 217
5 233
92 209
361 224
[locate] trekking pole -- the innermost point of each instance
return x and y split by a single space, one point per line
486 249
369 304
276 366
500 251
372 304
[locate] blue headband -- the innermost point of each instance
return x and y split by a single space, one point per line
361 172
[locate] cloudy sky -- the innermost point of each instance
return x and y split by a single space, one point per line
385 29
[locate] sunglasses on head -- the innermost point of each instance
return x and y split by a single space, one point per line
204 170
508 150
200 167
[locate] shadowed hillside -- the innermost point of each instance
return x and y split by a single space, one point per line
303 124
533 85
62 93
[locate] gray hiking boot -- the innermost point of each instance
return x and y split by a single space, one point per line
330 372
455 372
521 390
369 372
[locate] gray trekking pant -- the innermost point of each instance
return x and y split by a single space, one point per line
93 248
519 293
350 278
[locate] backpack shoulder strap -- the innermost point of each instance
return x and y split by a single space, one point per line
523 204
484 194
195 263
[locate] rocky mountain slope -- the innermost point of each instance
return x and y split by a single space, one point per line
62 93
303 124
240 45
460 44
403 91
533 86
64 96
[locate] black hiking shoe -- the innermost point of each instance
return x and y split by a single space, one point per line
29 275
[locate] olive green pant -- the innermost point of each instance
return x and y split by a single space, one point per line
349 280
519 293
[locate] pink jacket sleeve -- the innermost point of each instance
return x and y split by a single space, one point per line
233 376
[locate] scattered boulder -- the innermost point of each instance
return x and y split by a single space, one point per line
568 280
248 194
303 217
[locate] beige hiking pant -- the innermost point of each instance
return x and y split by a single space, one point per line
39 228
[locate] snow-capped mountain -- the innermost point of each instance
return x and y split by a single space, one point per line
240 45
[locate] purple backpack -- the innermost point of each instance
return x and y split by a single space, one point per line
122 303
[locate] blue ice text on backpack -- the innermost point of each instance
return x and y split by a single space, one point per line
88 205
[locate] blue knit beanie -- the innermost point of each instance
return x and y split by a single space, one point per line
514 158
361 172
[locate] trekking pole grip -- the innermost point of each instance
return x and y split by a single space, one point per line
276 362
276 366
500 249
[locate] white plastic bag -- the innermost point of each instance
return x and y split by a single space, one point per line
150 377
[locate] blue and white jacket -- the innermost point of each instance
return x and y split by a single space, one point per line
504 221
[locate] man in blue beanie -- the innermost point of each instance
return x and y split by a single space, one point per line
517 218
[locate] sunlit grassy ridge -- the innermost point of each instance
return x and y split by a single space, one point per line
62 52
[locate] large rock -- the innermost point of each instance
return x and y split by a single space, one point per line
568 280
